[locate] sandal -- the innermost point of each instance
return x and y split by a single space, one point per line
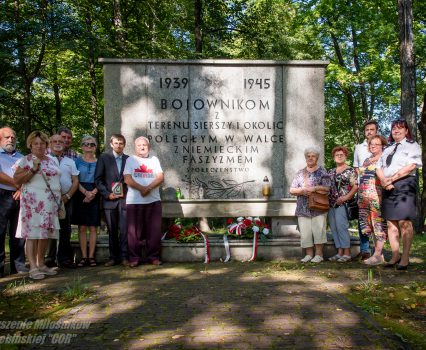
35 274
92 262
82 262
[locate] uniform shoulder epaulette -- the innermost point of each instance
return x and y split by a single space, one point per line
410 141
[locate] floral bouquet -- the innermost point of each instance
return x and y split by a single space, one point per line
247 227
183 233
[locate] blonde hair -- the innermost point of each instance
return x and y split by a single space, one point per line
31 137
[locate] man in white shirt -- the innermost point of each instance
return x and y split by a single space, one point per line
360 155
9 199
69 184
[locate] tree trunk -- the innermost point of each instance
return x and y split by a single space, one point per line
198 8
364 104
422 128
92 73
58 116
347 90
120 35
407 66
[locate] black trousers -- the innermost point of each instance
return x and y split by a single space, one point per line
9 214
116 221
62 251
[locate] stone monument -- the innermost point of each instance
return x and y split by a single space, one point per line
219 126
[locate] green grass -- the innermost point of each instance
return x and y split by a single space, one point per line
19 301
400 308
397 306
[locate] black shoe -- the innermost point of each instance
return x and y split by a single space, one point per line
50 263
402 267
390 265
67 264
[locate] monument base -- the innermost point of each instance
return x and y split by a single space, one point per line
241 250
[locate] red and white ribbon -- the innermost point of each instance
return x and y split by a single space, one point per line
227 250
255 242
236 227
206 248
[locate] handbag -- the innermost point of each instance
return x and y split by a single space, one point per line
317 200
351 206
352 209
62 213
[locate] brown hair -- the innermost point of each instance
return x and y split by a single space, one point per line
117 137
400 123
340 148
381 138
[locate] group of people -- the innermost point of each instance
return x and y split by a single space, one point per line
52 187
52 178
382 181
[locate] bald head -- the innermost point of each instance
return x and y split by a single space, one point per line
7 139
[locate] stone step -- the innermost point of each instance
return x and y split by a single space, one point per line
241 250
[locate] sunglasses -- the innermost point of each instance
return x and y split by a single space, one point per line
89 144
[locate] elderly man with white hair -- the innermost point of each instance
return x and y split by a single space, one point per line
143 175
9 199
312 223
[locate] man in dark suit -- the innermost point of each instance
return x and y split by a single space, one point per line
110 184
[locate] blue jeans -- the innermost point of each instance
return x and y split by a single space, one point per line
364 242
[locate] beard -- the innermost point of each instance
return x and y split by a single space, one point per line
9 148
58 148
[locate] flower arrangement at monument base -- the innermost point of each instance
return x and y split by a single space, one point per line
183 233
247 227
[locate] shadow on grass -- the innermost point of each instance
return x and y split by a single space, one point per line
234 305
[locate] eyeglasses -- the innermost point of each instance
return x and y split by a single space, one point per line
89 144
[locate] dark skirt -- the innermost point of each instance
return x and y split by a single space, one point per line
400 202
86 214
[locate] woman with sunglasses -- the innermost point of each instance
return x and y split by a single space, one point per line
396 170
86 210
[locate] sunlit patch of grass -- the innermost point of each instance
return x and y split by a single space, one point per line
400 308
18 301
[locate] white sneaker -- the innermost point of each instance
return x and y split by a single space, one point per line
306 259
344 258
317 259
47 271
335 257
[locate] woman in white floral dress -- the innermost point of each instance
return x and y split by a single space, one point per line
38 216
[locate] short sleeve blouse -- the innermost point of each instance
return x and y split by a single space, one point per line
317 178
341 183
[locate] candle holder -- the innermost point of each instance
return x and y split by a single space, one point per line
266 188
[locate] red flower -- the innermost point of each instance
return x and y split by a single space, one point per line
229 221
259 223
247 222
174 230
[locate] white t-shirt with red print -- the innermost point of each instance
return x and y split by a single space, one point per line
143 171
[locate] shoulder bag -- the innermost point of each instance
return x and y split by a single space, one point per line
61 205
351 206
317 200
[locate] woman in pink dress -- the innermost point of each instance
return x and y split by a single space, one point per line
38 216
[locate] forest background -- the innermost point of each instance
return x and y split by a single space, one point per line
50 74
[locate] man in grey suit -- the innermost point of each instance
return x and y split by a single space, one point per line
110 184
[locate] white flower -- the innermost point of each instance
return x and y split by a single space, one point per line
249 218
255 229
256 219
265 231
240 219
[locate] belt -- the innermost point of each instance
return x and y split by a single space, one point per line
4 191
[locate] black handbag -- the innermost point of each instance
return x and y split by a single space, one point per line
352 209
351 206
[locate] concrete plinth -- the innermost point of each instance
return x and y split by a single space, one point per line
241 250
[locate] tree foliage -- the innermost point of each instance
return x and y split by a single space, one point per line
49 52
